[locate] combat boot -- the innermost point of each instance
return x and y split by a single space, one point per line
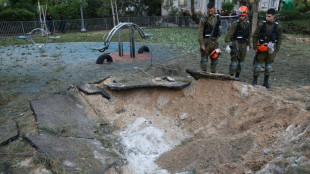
254 81
237 74
266 84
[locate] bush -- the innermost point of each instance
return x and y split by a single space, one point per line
67 10
296 26
228 6
294 21
291 15
16 15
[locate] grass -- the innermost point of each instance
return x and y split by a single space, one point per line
53 131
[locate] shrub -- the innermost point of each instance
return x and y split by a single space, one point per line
228 6
16 15
67 10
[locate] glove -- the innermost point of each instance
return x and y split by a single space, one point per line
228 49
247 48
270 47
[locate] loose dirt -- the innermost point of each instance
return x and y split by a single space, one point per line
211 126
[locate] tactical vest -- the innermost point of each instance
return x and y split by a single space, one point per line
208 28
242 34
272 36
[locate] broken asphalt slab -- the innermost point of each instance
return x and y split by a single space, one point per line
63 115
8 131
132 82
91 89
75 154
207 75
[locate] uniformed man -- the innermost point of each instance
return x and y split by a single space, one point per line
208 34
267 40
239 35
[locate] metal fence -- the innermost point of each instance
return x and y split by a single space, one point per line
18 28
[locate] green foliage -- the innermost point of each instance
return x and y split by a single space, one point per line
228 6
151 7
295 26
294 21
301 5
30 5
16 15
172 10
292 15
67 10
291 21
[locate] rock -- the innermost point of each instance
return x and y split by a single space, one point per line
301 160
9 131
170 79
121 111
183 116
158 79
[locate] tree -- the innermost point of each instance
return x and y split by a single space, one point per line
255 16
193 6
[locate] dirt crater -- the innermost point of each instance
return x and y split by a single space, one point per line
211 126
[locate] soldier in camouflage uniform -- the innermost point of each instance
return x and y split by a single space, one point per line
267 40
239 34
206 26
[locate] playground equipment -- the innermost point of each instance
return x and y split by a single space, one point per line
39 32
118 28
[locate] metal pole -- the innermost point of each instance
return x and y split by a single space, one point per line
82 19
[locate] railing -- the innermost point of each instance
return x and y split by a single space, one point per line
17 28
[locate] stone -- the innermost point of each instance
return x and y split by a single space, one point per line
183 116
170 79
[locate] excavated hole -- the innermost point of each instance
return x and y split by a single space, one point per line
210 126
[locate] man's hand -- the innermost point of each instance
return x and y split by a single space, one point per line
228 49
203 47
270 47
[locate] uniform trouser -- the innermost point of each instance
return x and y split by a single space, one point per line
237 64
205 54
264 57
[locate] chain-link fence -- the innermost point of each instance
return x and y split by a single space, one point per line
22 28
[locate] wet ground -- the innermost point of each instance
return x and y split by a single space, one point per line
28 72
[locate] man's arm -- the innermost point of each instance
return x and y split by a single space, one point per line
231 32
256 35
249 37
200 33
280 37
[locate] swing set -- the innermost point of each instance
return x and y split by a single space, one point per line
39 32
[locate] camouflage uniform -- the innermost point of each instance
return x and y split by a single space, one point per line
265 57
236 65
213 44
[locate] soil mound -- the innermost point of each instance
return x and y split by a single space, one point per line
211 126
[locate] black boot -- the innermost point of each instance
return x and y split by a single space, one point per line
266 84
237 74
254 81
